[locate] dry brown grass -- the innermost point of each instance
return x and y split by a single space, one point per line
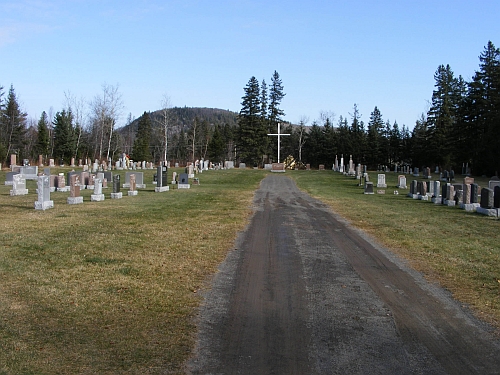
111 287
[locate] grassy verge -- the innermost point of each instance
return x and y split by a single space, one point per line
110 287
459 250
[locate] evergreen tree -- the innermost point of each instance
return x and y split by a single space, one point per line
313 148
217 146
275 113
442 116
12 127
64 141
141 150
252 135
374 139
43 140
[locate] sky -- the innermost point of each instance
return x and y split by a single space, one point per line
330 54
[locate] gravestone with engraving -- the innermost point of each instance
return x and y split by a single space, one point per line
9 178
381 181
43 190
18 185
321 167
474 193
450 195
496 197
61 183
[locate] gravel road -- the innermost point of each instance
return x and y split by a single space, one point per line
304 293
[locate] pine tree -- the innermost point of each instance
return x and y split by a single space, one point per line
141 150
12 126
252 135
217 146
374 138
64 140
442 116
43 140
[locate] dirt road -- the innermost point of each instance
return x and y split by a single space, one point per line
303 293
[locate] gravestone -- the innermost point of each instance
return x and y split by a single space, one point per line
487 203
308 167
430 188
191 170
132 185
242 166
268 167
98 195
494 181
84 179
29 172
43 190
13 160
467 191
321 167
336 165
74 189
229 164
116 194
108 176
416 172
183 182
381 181
444 189
61 183
487 198
368 188
401 181
9 178
341 168
139 180
174 178
468 180
450 195
474 193
351 171
161 179
435 195
496 197
278 167
18 185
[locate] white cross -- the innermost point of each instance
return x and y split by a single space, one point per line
279 135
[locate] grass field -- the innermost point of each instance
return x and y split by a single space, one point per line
111 287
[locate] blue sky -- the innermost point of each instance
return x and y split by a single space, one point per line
329 54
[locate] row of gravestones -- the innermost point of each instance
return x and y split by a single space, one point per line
468 196
84 180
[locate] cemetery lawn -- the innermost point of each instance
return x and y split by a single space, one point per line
459 250
112 287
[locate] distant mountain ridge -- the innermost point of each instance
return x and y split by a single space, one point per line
184 117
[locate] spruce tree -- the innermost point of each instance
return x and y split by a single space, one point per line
64 140
43 140
12 126
374 138
141 150
252 134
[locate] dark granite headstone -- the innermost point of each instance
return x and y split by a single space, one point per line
183 179
496 198
486 198
474 193
116 183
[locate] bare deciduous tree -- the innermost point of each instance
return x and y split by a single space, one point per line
105 113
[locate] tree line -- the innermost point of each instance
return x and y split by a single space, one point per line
462 126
